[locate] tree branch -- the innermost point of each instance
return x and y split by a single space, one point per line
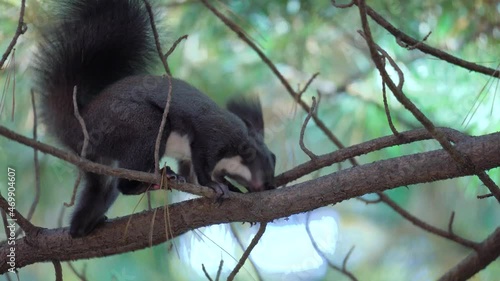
417 113
21 29
248 250
487 252
427 227
364 148
111 238
418 44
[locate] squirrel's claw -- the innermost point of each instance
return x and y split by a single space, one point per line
221 190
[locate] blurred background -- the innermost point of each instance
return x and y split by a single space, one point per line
301 38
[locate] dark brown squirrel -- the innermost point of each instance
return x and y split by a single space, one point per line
104 48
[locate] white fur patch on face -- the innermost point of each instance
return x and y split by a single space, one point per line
232 166
178 147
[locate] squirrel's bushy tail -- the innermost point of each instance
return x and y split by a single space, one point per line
92 44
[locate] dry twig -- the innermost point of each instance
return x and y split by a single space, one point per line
21 29
249 249
303 129
342 269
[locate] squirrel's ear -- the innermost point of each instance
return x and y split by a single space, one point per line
250 111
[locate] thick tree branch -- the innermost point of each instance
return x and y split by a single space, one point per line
56 244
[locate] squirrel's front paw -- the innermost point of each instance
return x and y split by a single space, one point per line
221 191
171 175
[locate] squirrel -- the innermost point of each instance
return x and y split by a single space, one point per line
104 49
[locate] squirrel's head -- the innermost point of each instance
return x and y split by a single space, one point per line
253 164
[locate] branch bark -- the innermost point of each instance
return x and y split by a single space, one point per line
420 45
56 244
487 252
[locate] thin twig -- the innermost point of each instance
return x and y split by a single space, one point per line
21 29
34 204
58 270
303 129
240 244
156 37
152 227
13 61
403 37
83 152
75 190
169 74
388 111
342 269
169 92
206 273
6 85
162 126
414 46
392 62
478 100
299 94
219 270
247 252
425 226
174 45
82 276
150 206
76 111
396 67
344 262
484 196
450 223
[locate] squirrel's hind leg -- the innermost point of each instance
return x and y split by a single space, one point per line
97 196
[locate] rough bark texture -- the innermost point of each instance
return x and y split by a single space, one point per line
116 237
